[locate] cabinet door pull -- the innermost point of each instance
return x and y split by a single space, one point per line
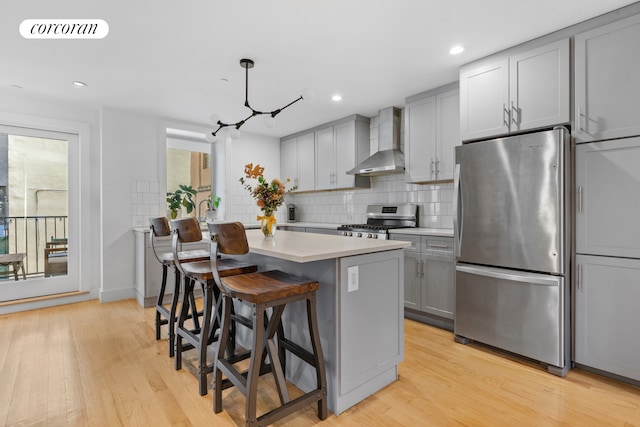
437 168
439 246
506 116
580 116
515 111
431 168
579 278
417 269
579 199
422 272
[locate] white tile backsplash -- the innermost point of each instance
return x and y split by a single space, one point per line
145 202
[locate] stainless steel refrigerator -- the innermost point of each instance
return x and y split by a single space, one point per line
512 245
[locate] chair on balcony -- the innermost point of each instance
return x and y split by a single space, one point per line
55 259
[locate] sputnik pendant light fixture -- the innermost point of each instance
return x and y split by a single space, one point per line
246 64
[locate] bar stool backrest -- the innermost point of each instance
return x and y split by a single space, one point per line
231 238
159 228
186 230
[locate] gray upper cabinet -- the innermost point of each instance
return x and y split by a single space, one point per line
607 81
607 205
297 160
338 149
484 96
325 156
432 130
526 90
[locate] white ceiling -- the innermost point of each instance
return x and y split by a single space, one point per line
168 58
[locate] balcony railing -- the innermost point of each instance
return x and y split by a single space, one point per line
30 235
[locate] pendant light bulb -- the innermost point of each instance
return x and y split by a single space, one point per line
234 134
269 121
209 137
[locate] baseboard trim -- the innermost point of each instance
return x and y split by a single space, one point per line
43 298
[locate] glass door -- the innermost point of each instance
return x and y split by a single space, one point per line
39 202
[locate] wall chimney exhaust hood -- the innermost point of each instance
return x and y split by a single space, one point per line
389 159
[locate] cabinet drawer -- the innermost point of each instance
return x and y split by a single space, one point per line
414 240
438 246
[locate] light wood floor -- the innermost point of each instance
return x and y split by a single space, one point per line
91 364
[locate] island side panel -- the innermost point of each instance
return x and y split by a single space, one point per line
371 324
361 332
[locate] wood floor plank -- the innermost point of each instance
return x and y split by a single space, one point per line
92 364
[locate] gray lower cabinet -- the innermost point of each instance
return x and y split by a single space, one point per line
149 270
606 314
429 281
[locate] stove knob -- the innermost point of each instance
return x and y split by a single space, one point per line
375 236
348 233
358 234
369 236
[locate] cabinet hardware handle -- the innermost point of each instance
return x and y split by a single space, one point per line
439 246
431 168
579 278
422 272
417 269
506 115
580 116
580 198
516 111
437 168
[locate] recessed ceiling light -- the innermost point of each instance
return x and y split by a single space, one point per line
79 84
456 50
336 98
16 86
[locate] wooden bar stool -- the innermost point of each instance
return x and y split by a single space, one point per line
167 316
264 290
185 231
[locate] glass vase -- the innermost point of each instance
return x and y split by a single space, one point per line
268 225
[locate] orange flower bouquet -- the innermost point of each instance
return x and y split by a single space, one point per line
269 195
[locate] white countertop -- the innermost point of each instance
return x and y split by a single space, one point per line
437 232
307 247
326 225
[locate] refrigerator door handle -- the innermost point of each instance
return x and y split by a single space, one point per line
457 208
513 276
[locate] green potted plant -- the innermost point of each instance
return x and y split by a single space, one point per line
213 202
182 197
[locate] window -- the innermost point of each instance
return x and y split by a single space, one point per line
189 162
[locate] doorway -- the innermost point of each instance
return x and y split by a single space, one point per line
38 213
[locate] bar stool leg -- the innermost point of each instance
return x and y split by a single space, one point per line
223 340
159 302
254 365
184 314
172 313
318 358
208 310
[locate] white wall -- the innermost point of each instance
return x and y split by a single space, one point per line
256 149
130 145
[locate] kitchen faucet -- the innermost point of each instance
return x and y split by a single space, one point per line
200 217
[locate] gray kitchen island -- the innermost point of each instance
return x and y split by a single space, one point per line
360 308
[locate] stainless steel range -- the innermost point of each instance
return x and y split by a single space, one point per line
381 219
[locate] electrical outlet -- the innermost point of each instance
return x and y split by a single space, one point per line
352 280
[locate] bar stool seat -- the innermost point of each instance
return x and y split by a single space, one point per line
201 336
159 227
264 290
